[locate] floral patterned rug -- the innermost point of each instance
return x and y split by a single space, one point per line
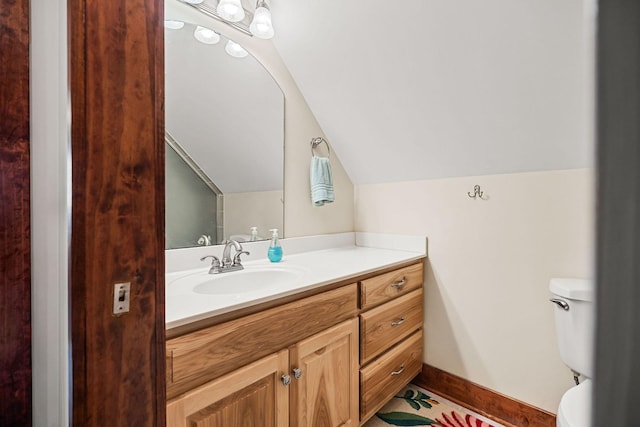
414 406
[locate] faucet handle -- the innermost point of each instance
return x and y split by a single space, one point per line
214 259
236 258
215 263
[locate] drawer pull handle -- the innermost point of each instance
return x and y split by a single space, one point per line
297 373
398 322
400 284
286 379
399 371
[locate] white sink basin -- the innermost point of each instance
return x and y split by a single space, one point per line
251 279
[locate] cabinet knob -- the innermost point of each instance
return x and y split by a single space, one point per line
286 379
297 373
399 285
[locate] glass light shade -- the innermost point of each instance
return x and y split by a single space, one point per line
173 24
193 1
205 35
235 50
230 10
261 25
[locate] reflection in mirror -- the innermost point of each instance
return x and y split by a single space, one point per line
192 200
225 141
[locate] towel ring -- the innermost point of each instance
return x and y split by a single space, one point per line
317 141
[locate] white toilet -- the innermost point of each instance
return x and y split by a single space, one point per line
574 317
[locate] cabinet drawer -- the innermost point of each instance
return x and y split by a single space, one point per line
385 287
384 377
383 326
200 356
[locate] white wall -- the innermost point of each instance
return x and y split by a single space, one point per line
50 243
487 316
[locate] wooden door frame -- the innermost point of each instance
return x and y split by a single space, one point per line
15 216
116 67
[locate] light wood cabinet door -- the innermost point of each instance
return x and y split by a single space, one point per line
326 392
253 395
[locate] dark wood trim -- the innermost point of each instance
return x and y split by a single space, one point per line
116 70
617 371
493 405
15 222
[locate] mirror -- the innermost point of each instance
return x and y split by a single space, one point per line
225 142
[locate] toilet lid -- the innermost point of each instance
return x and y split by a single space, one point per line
575 406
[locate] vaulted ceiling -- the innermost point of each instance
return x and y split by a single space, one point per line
422 89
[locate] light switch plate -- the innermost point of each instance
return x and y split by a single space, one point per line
121 298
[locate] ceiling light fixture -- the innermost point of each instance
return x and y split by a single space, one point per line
230 10
173 24
206 35
235 50
257 23
261 26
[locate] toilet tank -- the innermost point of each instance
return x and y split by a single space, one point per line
575 325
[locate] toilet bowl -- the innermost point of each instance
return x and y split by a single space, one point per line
575 406
574 318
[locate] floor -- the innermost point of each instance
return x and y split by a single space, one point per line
415 406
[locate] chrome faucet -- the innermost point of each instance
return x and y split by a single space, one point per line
227 264
226 253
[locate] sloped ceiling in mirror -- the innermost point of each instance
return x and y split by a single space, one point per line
227 113
421 89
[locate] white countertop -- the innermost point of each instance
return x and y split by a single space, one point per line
313 269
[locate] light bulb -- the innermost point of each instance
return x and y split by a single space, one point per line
230 10
261 25
205 35
173 24
235 50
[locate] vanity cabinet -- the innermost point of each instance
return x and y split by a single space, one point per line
313 383
391 317
307 367
329 359
197 357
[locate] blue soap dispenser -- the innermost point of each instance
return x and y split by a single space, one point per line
275 250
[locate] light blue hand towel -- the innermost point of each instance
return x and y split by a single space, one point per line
321 181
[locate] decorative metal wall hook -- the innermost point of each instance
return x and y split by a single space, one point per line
476 192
